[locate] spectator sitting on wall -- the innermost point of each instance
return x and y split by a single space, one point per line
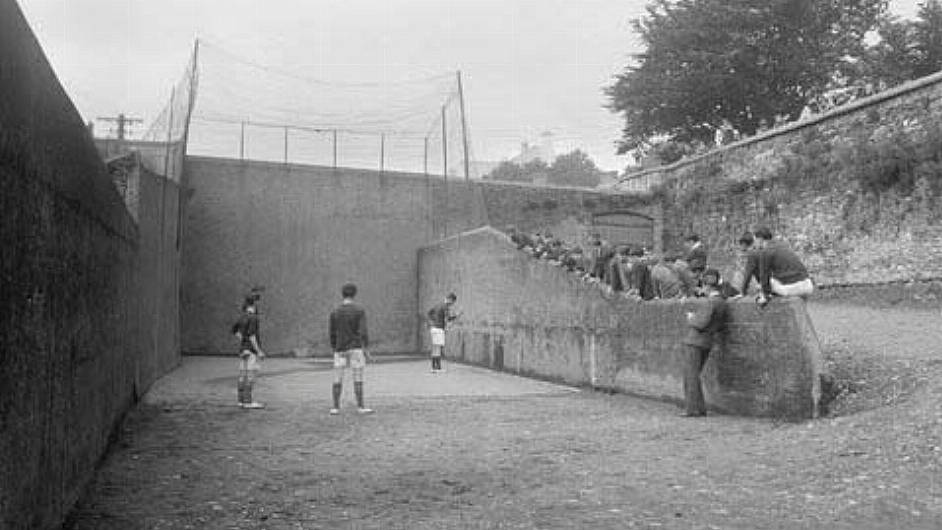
616 269
725 289
641 275
665 280
520 239
696 257
781 271
750 257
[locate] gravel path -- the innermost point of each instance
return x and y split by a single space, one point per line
478 449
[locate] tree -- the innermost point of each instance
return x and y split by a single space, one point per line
893 58
927 34
574 169
904 49
571 169
509 171
743 61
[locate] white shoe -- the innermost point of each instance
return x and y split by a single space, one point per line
253 405
334 412
364 410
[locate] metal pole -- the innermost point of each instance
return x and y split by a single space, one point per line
444 146
173 95
445 173
428 193
425 158
242 143
382 151
464 128
335 148
286 145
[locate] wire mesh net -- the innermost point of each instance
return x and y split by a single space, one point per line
167 132
254 112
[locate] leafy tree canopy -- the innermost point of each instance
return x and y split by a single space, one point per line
905 49
745 62
571 169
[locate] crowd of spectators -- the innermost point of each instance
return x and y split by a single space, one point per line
633 271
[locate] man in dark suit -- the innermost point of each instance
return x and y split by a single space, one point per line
706 325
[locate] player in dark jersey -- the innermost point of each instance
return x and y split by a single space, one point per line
349 340
250 352
438 317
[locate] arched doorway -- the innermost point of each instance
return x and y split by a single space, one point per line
625 227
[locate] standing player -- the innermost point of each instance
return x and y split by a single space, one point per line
438 317
246 330
349 340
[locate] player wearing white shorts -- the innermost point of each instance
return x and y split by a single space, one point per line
438 317
349 340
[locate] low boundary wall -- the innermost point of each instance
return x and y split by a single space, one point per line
529 317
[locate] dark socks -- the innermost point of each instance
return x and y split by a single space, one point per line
358 390
337 389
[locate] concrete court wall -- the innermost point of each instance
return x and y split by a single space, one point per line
73 298
526 316
301 232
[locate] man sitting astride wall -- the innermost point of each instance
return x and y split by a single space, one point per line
781 271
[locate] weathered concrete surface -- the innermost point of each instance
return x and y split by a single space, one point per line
302 231
527 316
87 295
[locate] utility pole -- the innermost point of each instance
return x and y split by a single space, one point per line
123 123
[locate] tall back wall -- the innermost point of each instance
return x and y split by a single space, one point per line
302 231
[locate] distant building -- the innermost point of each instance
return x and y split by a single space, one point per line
542 151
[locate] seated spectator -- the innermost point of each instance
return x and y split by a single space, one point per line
725 289
781 271
618 269
696 257
687 280
751 267
665 281
640 276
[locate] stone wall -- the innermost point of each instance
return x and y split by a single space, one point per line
302 231
827 185
527 316
78 290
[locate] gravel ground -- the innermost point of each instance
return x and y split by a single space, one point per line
476 449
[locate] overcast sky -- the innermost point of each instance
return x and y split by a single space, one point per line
528 65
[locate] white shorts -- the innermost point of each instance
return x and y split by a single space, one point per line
438 336
802 288
354 358
248 361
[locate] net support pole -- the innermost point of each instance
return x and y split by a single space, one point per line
242 142
335 147
173 96
191 102
445 172
428 191
464 128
